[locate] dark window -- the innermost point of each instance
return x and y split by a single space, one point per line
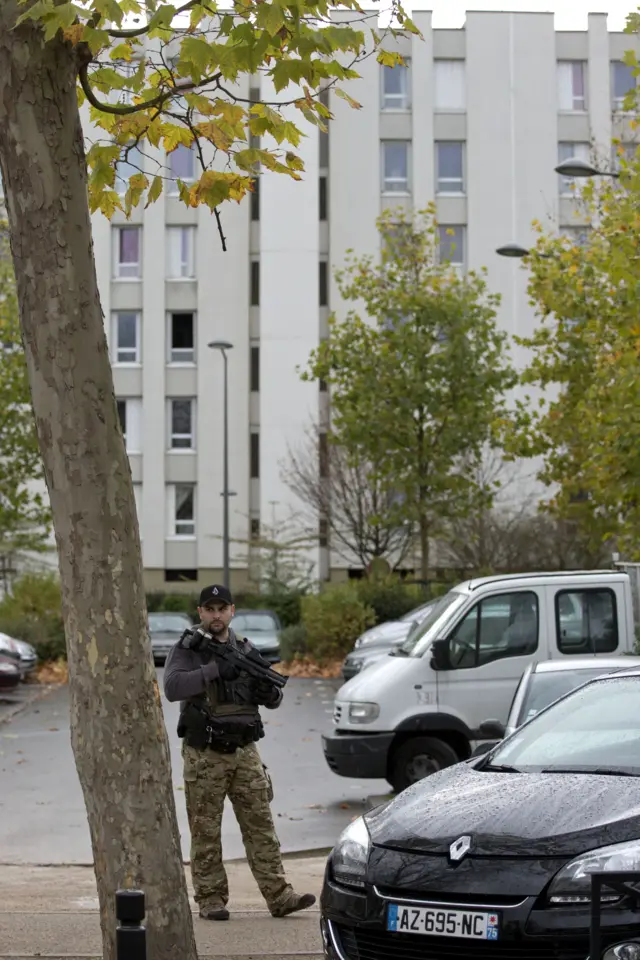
255 369
182 348
122 416
324 137
323 455
323 197
255 283
502 626
255 455
178 576
323 533
255 528
323 284
254 94
586 621
255 200
322 386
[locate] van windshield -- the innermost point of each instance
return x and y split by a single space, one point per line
444 607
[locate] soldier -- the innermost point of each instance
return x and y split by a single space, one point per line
220 723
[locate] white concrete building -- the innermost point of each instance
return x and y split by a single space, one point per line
476 122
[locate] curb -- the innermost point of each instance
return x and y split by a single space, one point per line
42 691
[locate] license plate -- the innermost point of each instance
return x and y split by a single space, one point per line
429 921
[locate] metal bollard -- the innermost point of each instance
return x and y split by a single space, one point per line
131 934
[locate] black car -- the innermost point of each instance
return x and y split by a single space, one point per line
492 858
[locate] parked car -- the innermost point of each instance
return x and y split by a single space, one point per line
380 641
28 658
542 684
493 857
9 673
9 650
165 629
262 628
410 715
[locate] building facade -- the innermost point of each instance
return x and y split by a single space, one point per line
476 122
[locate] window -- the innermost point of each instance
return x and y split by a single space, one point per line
449 85
127 260
181 424
323 198
126 69
572 85
450 167
255 200
130 416
322 386
323 455
502 626
182 166
323 533
623 153
132 162
586 621
137 496
255 283
622 82
395 166
254 455
323 279
451 244
255 528
395 87
182 510
182 338
571 151
323 136
255 370
180 576
126 337
180 250
578 235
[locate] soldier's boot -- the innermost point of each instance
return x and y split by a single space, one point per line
294 903
214 911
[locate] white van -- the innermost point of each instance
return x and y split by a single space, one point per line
419 709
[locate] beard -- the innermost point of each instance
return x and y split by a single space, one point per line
217 627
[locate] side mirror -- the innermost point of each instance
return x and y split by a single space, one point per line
491 730
440 659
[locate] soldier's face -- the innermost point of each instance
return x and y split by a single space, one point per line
216 616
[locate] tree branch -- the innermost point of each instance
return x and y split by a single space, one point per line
137 107
139 31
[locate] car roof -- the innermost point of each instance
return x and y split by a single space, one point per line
246 610
622 662
544 577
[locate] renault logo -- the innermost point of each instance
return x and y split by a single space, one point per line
459 849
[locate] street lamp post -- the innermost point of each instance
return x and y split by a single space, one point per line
223 346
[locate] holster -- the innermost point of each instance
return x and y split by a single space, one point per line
223 734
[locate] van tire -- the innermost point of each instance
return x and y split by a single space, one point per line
428 754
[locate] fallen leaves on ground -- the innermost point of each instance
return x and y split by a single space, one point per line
304 667
55 671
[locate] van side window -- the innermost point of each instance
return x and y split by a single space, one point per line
502 626
586 621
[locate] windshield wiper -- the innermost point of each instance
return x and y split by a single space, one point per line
500 768
398 652
602 771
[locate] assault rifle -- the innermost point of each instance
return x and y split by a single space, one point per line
252 663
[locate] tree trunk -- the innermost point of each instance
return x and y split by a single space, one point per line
117 729
424 549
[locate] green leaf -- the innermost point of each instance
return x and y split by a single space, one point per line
345 96
155 191
196 51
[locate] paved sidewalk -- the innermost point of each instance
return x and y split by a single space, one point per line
52 913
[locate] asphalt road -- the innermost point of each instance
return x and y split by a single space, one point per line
42 815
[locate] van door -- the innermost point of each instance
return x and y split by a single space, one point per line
489 649
588 620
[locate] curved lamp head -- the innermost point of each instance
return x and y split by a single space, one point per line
220 345
574 167
513 250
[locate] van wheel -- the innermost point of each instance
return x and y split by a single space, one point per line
418 758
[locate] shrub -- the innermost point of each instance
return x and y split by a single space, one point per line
333 621
284 603
33 595
46 634
293 642
389 597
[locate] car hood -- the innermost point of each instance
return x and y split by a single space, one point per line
263 639
384 633
376 679
509 814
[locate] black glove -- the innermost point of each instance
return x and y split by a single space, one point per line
227 670
266 693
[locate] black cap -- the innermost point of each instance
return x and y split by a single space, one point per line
215 592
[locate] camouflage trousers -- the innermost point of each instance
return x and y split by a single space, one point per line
209 777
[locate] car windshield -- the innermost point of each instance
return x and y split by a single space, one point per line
442 610
545 688
255 622
418 613
594 728
169 622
